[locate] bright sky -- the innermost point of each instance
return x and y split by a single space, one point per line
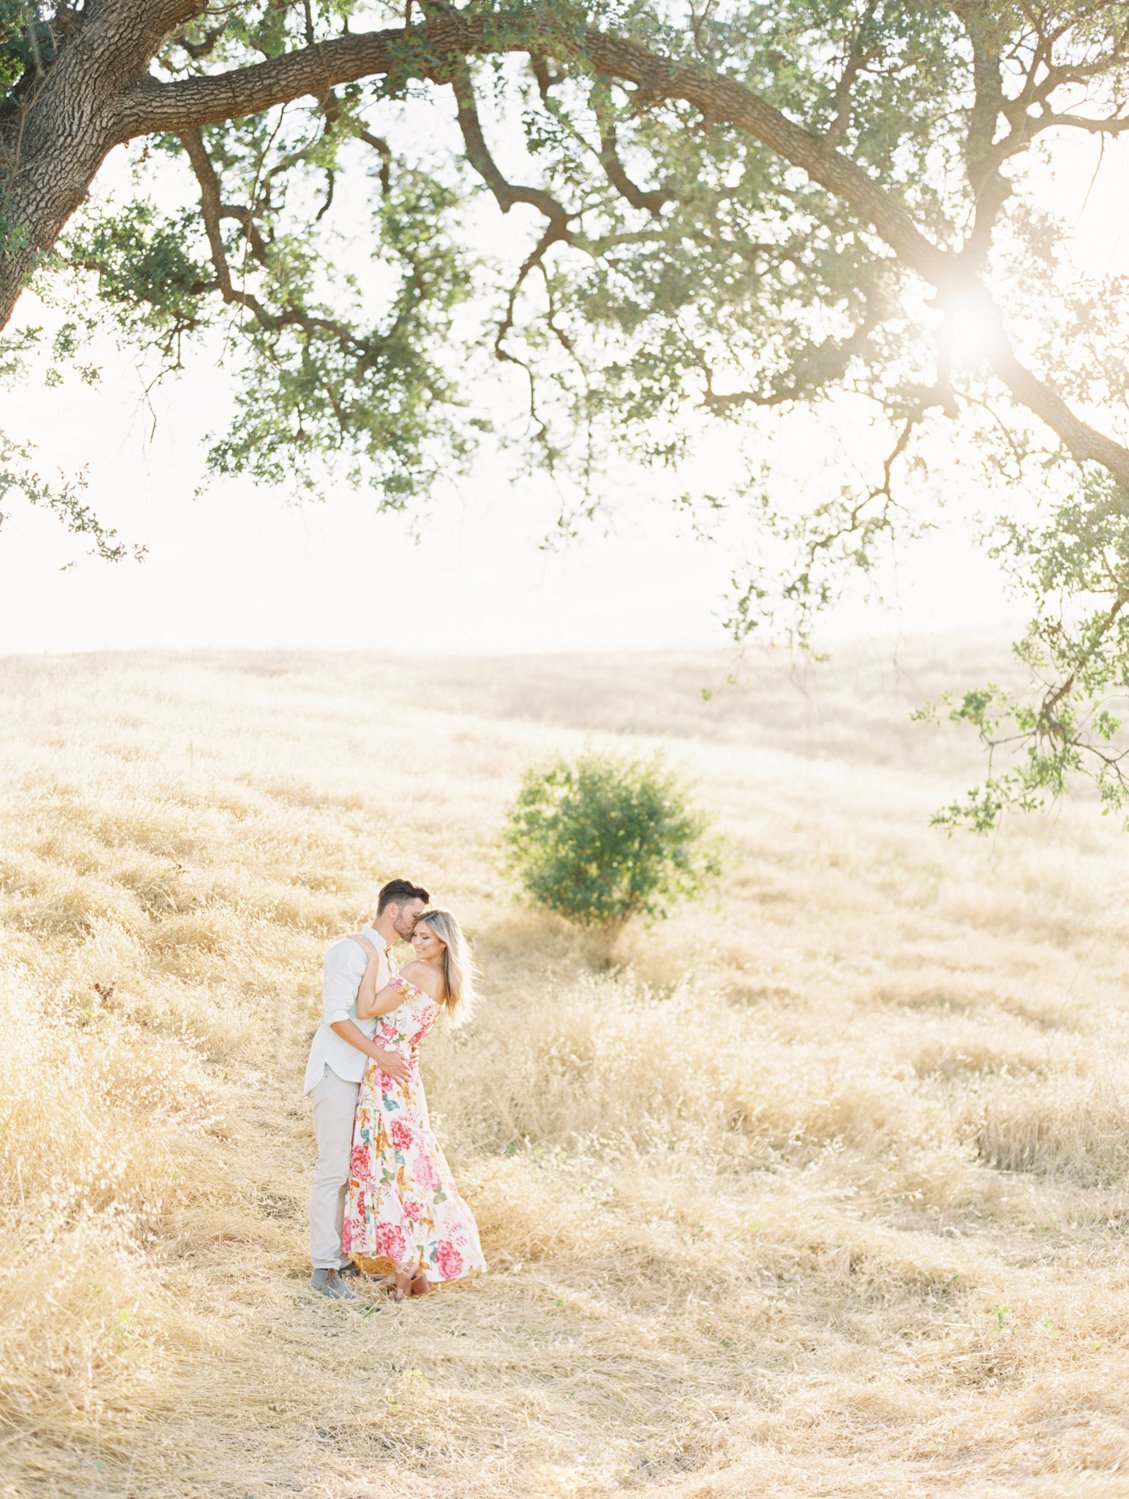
240 567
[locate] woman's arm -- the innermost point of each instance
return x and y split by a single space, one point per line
370 1004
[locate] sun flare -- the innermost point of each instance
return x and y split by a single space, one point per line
970 331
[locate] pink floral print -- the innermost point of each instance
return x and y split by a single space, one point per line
403 1210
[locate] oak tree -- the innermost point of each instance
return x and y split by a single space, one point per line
713 210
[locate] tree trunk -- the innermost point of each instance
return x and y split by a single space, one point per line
65 120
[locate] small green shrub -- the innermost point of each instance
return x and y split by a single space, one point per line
605 839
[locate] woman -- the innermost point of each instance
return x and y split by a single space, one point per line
403 1216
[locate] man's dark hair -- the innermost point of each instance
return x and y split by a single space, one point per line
396 892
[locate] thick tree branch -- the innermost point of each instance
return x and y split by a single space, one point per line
983 157
1115 126
857 58
649 200
438 48
506 193
384 151
192 102
721 100
1083 442
213 211
546 79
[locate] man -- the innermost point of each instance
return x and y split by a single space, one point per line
342 1049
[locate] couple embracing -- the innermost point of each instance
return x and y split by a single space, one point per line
383 1202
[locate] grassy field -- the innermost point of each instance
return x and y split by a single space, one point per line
818 1190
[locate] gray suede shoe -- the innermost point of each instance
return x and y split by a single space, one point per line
328 1283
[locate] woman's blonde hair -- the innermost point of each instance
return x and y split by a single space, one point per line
459 970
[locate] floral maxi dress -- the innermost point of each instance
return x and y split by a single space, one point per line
403 1211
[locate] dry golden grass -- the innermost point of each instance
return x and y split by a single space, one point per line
818 1190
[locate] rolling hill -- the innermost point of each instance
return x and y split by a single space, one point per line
816 1189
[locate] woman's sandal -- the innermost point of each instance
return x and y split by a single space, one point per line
398 1286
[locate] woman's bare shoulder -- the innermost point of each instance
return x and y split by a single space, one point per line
424 977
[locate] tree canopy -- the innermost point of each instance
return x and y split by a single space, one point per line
713 210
